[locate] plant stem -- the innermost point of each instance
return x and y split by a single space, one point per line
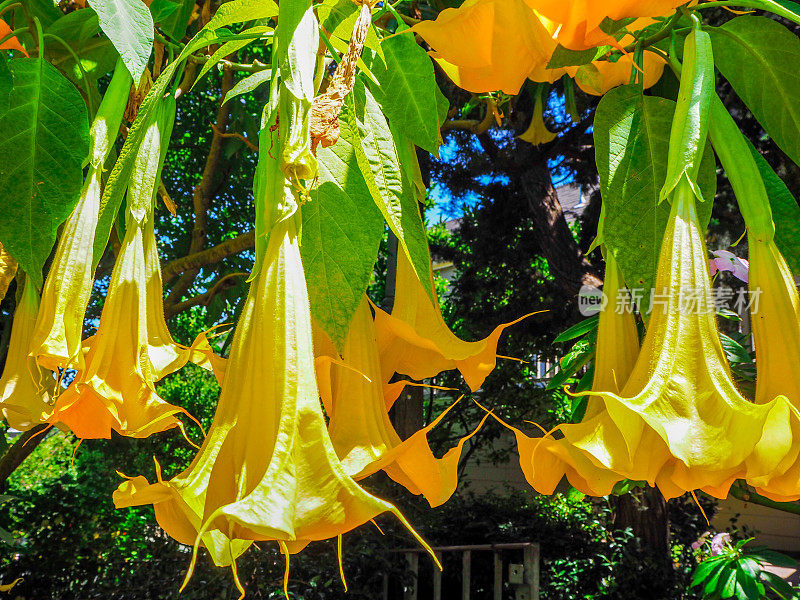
747 495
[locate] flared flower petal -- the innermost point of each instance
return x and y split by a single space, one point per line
475 42
546 460
26 389
360 429
603 75
267 469
414 339
581 19
490 44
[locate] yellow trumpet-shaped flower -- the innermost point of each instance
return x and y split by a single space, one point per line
131 350
414 339
359 425
774 470
267 469
8 269
581 19
26 389
537 132
602 75
59 327
490 45
680 388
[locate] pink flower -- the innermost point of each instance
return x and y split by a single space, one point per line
718 543
728 261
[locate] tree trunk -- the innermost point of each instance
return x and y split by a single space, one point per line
645 512
567 263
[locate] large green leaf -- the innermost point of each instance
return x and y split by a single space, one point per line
342 229
6 83
407 91
759 57
77 26
338 17
631 134
785 212
365 128
129 26
45 140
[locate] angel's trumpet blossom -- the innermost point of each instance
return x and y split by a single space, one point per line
132 348
359 425
8 270
26 389
267 469
581 20
472 43
545 460
774 469
602 75
537 132
414 339
681 387
59 326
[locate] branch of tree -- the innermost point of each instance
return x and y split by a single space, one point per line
194 262
222 284
19 451
236 135
473 125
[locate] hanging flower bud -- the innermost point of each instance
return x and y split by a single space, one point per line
537 132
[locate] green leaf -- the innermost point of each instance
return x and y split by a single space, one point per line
342 230
578 329
631 134
774 558
161 9
45 140
785 212
778 585
239 11
338 17
759 57
44 10
77 26
129 26
407 91
564 57
226 49
175 24
6 83
364 126
248 84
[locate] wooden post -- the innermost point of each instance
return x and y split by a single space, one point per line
498 576
437 579
466 568
412 558
531 569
